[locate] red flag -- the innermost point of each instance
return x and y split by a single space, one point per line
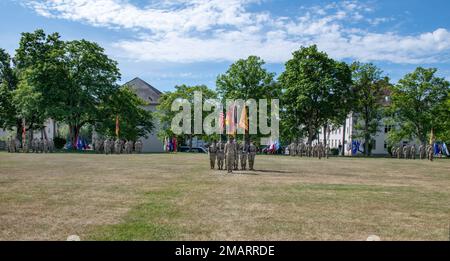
221 121
117 126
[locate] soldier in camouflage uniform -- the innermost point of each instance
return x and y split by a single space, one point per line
106 146
430 152
220 155
244 156
138 146
212 151
117 146
251 155
8 145
237 155
230 154
413 152
421 151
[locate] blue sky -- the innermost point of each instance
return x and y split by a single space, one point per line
174 42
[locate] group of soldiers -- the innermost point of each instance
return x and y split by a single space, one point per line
231 155
308 150
36 145
118 146
409 152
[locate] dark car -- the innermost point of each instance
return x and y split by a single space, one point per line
193 150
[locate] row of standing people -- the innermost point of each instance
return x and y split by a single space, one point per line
232 155
409 152
118 146
36 145
308 150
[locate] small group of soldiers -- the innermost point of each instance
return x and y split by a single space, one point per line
308 150
109 146
232 155
409 152
42 145
36 145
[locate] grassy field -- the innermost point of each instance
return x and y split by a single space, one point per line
177 197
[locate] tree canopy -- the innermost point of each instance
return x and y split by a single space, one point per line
419 105
370 90
314 87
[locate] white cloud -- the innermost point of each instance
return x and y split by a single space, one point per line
216 30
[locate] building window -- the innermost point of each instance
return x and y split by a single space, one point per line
385 145
387 128
374 144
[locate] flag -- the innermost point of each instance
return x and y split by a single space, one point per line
221 122
243 121
445 149
117 126
231 120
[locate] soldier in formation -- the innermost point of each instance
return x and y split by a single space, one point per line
138 146
244 156
251 155
220 155
237 155
230 154
212 151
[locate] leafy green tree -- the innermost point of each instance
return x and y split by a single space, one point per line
419 105
90 80
165 113
40 69
134 120
248 79
314 86
443 130
371 88
8 83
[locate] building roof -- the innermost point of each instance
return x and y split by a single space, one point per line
144 90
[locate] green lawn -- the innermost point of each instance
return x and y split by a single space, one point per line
177 197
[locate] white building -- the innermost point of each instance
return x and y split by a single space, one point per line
151 95
379 143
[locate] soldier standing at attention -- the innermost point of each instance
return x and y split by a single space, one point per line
238 155
244 153
45 145
421 151
106 146
230 154
138 146
430 152
212 151
251 155
220 155
413 152
117 148
41 145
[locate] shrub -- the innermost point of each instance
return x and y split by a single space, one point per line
334 151
59 142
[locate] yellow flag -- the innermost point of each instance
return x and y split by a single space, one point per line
243 121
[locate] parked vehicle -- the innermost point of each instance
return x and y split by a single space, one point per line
193 150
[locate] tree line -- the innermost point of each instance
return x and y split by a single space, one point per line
72 82
318 93
76 83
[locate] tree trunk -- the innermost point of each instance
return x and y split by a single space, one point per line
325 128
19 130
343 137
74 132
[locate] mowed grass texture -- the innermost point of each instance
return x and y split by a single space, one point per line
177 197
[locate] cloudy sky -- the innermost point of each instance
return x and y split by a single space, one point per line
170 42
